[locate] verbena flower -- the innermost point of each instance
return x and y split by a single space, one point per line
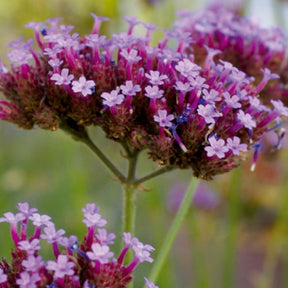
89 263
165 101
242 42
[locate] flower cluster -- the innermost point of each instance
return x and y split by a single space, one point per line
242 42
88 264
204 116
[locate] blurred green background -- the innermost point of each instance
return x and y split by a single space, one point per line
242 242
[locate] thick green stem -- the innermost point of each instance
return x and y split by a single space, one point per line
129 196
172 233
231 240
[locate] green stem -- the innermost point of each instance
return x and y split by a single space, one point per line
129 202
231 241
153 174
129 196
80 134
172 233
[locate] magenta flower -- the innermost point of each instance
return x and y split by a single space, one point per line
93 262
135 89
242 43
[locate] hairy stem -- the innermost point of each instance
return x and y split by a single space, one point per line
172 233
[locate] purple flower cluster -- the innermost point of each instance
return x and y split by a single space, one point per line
88 264
243 42
187 114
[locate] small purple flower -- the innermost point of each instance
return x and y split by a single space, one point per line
27 280
23 207
235 145
3 277
217 147
39 220
238 76
113 98
280 108
129 88
100 253
85 87
90 208
232 101
183 87
153 92
127 238
150 284
142 251
198 82
188 68
163 119
51 235
62 267
68 242
155 78
64 78
246 119
52 53
211 96
94 220
29 247
105 238
33 263
131 56
208 112
12 218
19 56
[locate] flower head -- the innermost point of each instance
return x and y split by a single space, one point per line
155 98
91 263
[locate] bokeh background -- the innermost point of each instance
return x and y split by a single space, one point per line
236 233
